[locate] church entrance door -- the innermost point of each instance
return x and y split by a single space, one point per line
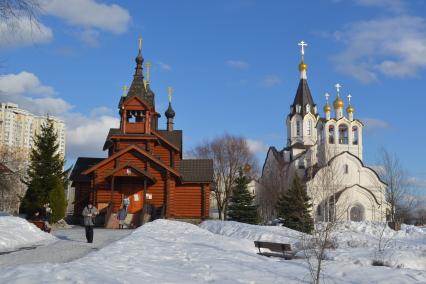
357 213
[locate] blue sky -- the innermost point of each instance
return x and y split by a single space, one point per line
232 64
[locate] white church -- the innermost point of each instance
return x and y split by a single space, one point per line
326 153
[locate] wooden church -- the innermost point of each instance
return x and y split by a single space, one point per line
144 166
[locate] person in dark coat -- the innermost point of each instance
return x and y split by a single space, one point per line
122 214
89 215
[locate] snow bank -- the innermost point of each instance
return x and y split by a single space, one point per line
357 242
174 252
17 232
238 230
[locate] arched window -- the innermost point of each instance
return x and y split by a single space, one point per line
308 108
343 134
309 128
346 168
331 134
298 128
357 213
355 135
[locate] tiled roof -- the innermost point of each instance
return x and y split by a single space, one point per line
81 165
196 170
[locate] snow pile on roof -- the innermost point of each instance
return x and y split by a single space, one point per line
238 230
166 251
17 232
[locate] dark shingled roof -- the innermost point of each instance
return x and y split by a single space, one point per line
138 88
174 137
196 170
303 97
81 165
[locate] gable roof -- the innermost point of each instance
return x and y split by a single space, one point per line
82 164
172 137
196 170
127 149
128 165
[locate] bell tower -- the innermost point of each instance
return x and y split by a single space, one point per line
137 107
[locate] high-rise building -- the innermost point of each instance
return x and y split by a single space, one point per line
18 128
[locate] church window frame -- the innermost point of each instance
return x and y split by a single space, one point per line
355 135
298 128
309 127
331 134
308 108
346 169
343 136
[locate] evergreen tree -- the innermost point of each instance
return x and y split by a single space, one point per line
241 207
294 208
58 201
45 172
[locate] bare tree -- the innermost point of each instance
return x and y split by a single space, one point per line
272 184
397 189
12 173
229 154
331 209
12 10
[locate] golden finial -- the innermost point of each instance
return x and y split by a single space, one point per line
148 72
140 42
303 66
170 92
124 91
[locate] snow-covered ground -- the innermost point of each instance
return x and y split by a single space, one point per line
16 232
174 252
69 244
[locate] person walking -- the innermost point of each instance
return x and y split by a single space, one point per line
48 212
126 202
122 214
89 214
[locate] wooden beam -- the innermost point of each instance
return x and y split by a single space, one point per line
144 201
203 202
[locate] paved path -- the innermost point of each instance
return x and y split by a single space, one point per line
71 244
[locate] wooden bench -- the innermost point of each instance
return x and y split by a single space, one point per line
278 249
41 225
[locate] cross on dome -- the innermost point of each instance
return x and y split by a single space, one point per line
140 42
170 92
326 96
349 98
302 45
338 86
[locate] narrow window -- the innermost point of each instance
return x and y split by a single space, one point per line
331 134
355 135
346 167
298 128
343 134
309 130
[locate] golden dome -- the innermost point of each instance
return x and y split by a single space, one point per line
338 103
303 66
327 108
349 109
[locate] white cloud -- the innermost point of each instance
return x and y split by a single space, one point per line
164 66
374 124
416 182
24 32
89 14
271 80
86 134
256 146
237 64
90 38
23 82
26 90
393 47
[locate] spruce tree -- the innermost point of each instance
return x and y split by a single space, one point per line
241 207
294 208
58 202
45 172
